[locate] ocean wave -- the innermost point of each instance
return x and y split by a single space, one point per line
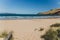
27 17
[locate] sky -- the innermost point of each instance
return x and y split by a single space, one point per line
27 6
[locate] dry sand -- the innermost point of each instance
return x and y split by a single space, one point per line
25 29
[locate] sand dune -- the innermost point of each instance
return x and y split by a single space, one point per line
24 29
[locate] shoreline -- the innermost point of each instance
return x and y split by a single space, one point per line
29 18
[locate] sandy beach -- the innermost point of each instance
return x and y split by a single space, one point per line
24 29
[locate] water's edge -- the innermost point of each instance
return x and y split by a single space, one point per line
28 17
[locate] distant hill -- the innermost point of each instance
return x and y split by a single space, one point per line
51 12
15 14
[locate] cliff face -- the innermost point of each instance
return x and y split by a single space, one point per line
52 12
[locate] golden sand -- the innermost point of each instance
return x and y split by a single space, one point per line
24 29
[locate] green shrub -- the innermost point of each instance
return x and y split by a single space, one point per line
52 34
55 25
3 34
58 33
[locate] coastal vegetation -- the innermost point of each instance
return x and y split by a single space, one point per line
53 33
3 34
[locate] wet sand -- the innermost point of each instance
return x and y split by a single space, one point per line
24 29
